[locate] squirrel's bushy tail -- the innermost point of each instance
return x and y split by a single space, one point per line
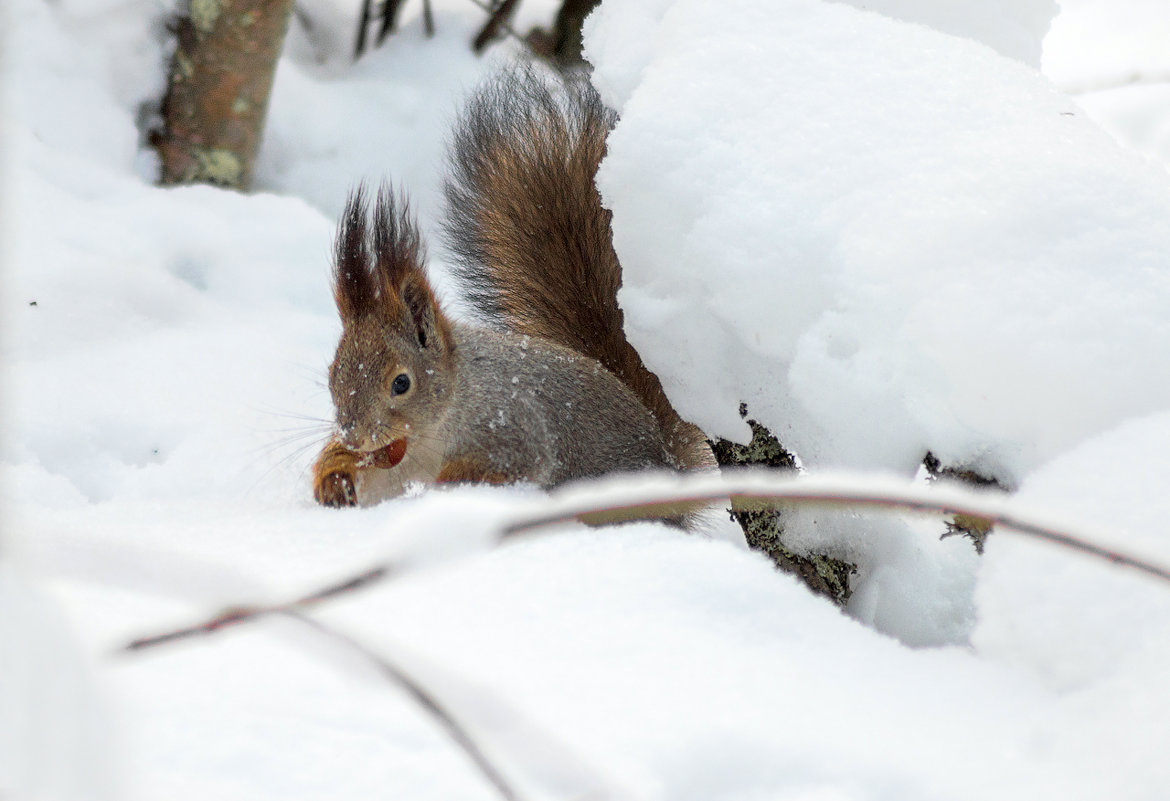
532 242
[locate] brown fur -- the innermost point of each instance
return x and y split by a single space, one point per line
335 476
534 242
389 315
391 322
378 270
471 470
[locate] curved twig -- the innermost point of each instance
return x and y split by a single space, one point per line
676 496
242 614
391 671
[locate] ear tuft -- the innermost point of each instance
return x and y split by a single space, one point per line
354 287
398 250
378 270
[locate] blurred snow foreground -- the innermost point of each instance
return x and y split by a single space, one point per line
884 232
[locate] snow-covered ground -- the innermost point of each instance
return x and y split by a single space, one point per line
883 229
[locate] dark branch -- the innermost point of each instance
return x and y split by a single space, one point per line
503 23
428 19
490 31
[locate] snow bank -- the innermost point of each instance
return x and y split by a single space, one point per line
1099 635
639 636
150 315
620 44
1114 483
866 215
98 60
886 241
1091 40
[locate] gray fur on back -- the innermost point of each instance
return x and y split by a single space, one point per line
599 420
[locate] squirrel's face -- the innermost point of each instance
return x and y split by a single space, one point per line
392 376
388 382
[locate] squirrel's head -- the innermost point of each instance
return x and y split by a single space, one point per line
392 376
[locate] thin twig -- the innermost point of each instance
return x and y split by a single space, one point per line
684 493
422 697
675 497
490 30
242 614
503 23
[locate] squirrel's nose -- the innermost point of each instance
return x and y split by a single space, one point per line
349 434
357 440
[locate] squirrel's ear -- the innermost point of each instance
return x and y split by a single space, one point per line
398 249
354 287
398 254
427 322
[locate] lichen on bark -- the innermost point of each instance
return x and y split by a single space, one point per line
763 528
976 529
217 96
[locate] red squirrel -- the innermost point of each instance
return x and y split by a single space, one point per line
551 390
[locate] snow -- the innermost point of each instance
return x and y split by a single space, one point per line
1013 28
886 232
1033 613
1018 618
923 312
922 247
1113 58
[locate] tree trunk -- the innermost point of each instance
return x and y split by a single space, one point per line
220 79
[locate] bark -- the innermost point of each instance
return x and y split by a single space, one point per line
971 527
220 80
764 528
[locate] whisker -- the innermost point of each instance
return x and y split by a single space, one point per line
288 445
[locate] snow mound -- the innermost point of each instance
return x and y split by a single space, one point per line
1115 484
1096 634
922 247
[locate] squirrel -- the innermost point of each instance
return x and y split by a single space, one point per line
550 391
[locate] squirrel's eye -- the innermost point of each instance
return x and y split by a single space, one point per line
400 385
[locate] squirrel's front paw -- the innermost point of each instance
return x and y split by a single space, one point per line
334 482
335 489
